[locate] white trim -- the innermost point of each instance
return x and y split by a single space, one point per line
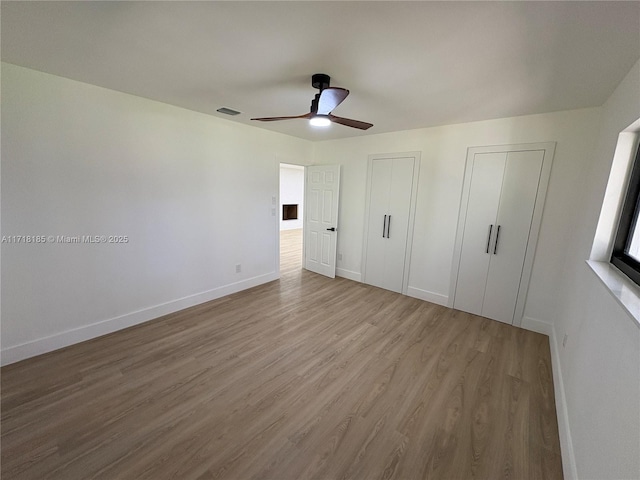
536 221
348 274
566 444
569 467
538 326
428 296
280 161
64 339
621 288
304 221
277 215
617 186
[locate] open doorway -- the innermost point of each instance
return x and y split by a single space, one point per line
291 213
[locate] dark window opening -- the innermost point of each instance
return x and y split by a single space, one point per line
626 248
290 212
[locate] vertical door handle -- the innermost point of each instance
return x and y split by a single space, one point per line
495 247
384 226
389 226
489 237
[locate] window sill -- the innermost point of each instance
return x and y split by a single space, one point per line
620 286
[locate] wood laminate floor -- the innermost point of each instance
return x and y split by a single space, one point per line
301 378
290 252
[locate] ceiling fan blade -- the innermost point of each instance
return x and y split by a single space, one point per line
275 119
350 123
330 98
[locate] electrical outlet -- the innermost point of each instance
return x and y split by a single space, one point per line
238 268
273 200
339 257
564 340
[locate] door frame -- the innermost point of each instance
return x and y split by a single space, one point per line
536 221
276 204
412 211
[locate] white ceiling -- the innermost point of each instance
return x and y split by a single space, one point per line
408 64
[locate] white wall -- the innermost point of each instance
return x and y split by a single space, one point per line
192 192
597 374
600 364
440 187
292 192
78 159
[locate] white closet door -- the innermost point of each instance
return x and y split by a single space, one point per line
479 230
398 222
515 213
505 186
378 214
390 199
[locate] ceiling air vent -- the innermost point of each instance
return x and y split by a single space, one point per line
227 111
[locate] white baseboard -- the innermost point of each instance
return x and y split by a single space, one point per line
64 339
348 274
432 297
566 444
538 326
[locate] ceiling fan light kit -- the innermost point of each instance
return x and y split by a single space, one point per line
320 121
323 104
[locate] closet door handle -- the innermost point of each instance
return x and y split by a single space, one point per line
384 225
389 226
495 247
489 238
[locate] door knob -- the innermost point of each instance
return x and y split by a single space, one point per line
332 229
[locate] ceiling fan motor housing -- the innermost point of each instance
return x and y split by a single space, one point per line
320 81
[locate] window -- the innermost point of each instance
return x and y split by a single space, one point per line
626 247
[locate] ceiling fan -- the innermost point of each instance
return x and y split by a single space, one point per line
323 104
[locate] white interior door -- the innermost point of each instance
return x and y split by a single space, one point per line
396 260
479 230
322 195
391 194
500 215
515 213
378 214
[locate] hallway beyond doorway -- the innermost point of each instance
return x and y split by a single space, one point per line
290 251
